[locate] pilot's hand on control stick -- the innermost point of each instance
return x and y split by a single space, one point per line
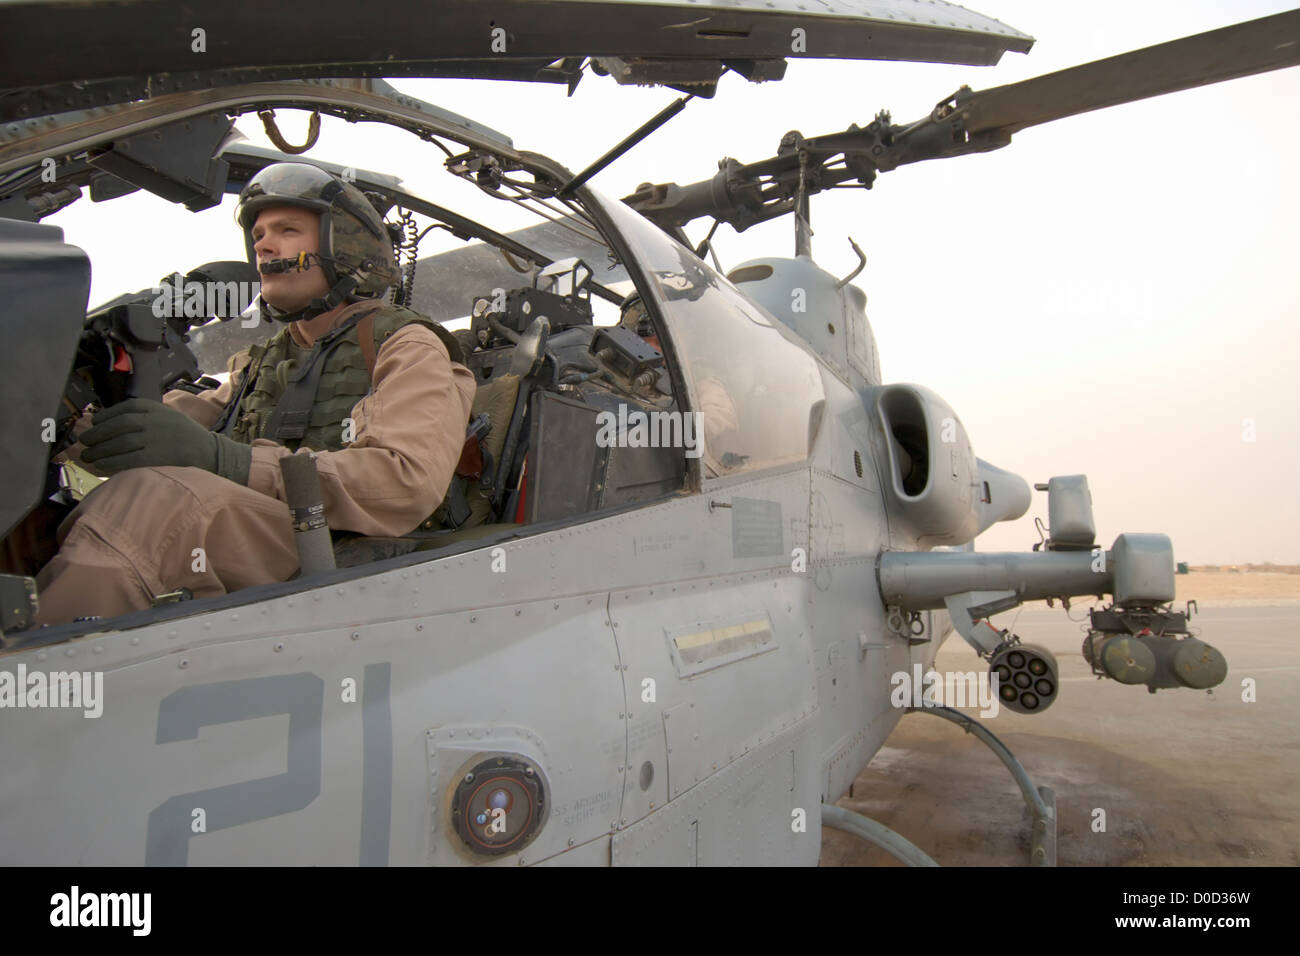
139 433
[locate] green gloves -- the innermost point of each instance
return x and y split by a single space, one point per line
138 433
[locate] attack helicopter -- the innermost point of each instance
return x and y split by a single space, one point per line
645 655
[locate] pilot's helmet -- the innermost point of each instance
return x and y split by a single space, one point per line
354 241
633 315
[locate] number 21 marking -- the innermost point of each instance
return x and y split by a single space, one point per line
302 697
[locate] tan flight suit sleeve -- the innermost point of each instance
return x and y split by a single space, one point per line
409 432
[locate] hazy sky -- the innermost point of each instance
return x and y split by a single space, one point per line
1114 294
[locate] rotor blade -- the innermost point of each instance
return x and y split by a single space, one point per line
976 122
1244 49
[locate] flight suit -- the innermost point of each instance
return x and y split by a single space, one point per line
153 530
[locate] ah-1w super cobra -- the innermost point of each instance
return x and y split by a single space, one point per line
639 654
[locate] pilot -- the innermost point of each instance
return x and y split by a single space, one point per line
712 399
633 315
377 392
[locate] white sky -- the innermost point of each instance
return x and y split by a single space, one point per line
1114 294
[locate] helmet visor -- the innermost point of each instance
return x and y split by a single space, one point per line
293 184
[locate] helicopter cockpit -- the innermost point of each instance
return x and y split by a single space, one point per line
613 366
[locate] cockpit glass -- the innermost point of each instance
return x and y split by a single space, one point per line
754 383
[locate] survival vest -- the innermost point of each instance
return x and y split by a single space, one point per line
304 402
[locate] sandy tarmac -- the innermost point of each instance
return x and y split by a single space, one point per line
1184 777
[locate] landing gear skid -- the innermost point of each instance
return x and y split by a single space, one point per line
1041 802
877 834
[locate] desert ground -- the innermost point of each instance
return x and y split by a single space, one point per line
1251 586
1183 777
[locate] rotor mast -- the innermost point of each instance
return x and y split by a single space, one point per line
803 211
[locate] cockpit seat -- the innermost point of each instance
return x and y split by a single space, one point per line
466 499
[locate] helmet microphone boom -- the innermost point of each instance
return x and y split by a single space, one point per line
299 263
